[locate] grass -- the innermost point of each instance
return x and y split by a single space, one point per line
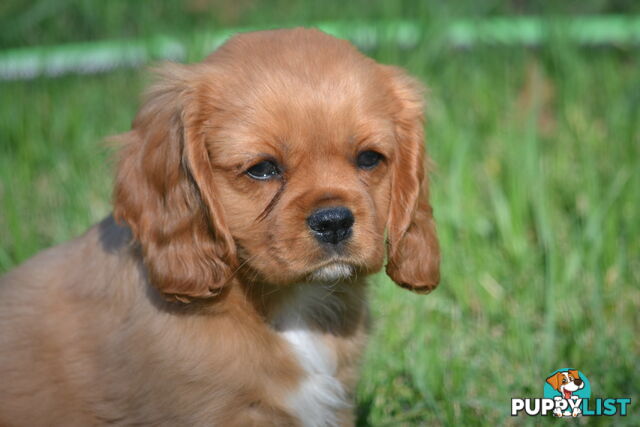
537 199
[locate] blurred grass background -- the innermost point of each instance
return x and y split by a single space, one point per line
536 192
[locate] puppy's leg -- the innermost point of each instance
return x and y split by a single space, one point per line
576 411
557 412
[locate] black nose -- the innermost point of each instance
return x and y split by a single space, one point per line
331 225
577 382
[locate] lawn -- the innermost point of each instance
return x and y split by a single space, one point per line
536 191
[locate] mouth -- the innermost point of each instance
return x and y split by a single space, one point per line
567 394
333 271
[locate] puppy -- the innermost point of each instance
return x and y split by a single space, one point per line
252 197
566 383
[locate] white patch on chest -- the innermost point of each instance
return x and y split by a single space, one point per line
320 395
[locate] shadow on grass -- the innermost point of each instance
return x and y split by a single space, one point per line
362 413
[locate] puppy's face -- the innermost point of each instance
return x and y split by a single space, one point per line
303 153
566 382
302 168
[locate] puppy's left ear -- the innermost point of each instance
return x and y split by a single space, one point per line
413 250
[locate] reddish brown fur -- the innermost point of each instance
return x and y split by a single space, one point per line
88 335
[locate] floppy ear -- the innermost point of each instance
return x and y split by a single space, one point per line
413 251
164 191
554 380
574 373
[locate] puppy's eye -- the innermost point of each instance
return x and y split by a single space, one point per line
369 159
264 170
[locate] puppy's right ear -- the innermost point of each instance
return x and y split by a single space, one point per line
164 191
554 380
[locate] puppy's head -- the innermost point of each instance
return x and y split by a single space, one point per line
566 382
284 156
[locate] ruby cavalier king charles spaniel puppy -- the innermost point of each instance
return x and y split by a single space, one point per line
253 195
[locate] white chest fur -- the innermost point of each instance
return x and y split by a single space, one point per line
320 395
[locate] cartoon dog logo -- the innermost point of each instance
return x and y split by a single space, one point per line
566 383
